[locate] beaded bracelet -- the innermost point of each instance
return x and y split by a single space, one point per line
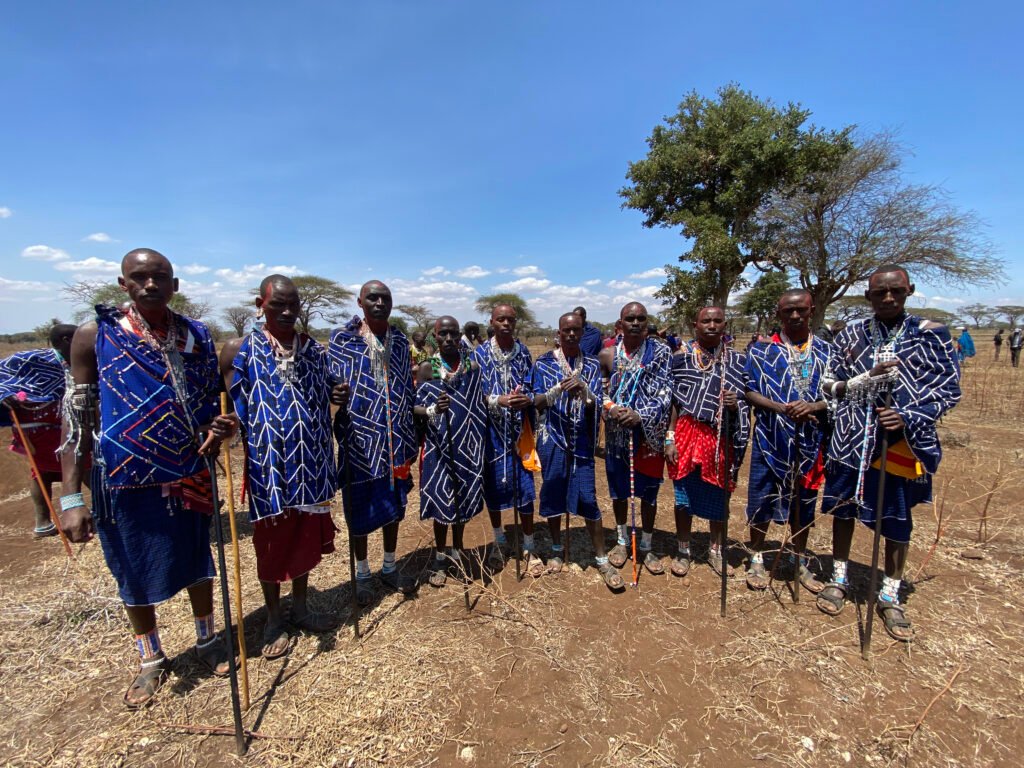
71 500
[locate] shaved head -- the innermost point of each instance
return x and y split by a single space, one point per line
634 307
273 281
373 285
793 293
502 309
147 255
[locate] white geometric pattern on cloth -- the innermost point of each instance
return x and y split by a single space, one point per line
770 375
696 392
370 406
927 385
456 458
644 384
501 373
40 374
287 426
563 419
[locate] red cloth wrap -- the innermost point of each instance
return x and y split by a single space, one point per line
695 444
648 462
291 544
45 442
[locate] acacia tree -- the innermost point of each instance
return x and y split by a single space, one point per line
849 307
238 317
1012 313
709 169
978 314
848 212
88 293
526 321
420 316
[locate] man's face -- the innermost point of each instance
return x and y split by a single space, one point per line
419 338
633 321
710 326
570 330
888 292
794 313
281 307
375 301
148 280
503 321
447 334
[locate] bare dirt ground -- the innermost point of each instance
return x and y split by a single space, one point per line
557 670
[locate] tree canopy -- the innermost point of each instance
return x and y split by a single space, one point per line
1012 313
421 317
762 299
238 317
708 170
525 319
979 314
88 293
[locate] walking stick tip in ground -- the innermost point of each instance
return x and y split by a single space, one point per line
865 650
725 511
233 527
236 704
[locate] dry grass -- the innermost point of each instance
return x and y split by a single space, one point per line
557 671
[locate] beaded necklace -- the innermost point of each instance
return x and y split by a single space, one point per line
168 349
379 353
284 358
800 358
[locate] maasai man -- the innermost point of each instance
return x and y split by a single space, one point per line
636 409
451 484
1016 343
566 387
915 360
32 385
591 342
152 376
703 459
376 441
965 345
784 385
505 363
997 342
279 385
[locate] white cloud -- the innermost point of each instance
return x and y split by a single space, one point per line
44 253
652 272
194 269
435 271
472 272
621 285
26 286
251 274
595 281
947 300
5 212
89 268
524 284
526 271
98 237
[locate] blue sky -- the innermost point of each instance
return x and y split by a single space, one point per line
449 149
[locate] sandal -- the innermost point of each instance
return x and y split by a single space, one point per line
44 532
618 556
809 581
681 564
555 565
397 582
832 598
653 564
757 577
438 575
148 681
895 620
315 623
715 561
214 656
534 565
272 636
611 577
364 591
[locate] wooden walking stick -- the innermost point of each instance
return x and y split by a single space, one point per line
513 450
865 650
225 598
30 451
233 527
794 520
726 474
346 493
632 506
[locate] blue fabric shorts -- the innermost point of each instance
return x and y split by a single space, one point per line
702 499
372 505
901 495
646 487
768 497
566 488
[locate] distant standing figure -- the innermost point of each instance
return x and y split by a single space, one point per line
965 345
1016 342
997 342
